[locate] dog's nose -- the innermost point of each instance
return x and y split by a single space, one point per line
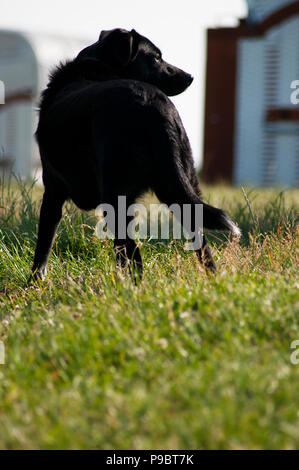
189 79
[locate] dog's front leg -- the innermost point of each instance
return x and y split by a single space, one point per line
128 254
50 215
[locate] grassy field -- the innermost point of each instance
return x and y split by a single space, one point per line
184 360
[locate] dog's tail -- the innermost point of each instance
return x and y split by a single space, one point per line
217 219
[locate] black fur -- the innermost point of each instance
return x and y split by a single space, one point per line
107 128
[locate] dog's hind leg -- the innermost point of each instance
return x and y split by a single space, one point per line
204 253
176 188
126 250
50 215
205 256
183 194
176 183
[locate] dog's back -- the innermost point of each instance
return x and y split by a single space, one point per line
106 133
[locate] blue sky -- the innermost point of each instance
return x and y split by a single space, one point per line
177 27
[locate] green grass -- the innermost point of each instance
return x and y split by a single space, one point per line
184 360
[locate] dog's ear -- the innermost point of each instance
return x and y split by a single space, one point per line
119 45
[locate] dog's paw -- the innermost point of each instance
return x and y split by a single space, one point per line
38 274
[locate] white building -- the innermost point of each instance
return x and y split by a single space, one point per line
261 131
25 62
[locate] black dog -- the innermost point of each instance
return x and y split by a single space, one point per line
107 128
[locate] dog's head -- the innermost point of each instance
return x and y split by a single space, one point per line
132 56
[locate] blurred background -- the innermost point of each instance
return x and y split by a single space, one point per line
243 55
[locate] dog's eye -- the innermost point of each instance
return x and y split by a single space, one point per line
157 58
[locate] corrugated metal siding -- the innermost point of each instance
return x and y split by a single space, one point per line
272 63
25 61
249 112
23 144
15 137
259 9
266 69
